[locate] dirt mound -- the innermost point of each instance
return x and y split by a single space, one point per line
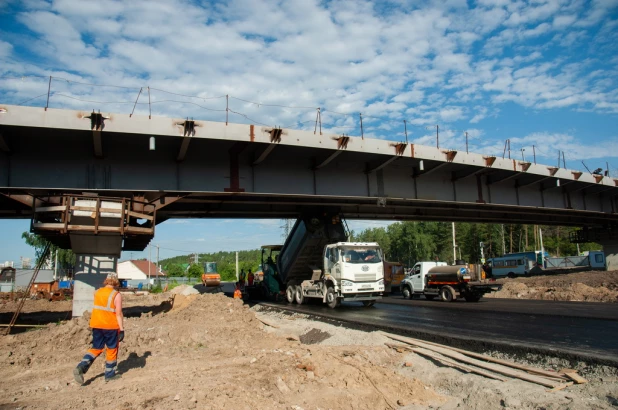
208 351
184 290
593 286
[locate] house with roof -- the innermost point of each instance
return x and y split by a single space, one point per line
138 270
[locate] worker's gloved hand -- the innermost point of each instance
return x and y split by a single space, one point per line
121 336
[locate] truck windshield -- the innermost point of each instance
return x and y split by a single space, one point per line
361 255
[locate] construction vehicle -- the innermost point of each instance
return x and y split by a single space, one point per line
433 279
393 275
211 277
317 262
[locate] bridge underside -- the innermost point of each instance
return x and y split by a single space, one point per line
199 169
249 205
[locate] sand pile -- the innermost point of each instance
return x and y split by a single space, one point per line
208 351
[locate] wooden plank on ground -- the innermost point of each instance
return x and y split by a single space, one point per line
452 363
576 377
546 373
494 367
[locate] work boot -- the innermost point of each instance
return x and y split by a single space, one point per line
114 377
78 374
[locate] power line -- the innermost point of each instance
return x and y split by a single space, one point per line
188 96
91 101
33 98
94 85
272 105
243 115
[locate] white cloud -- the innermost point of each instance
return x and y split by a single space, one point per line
418 62
5 49
481 113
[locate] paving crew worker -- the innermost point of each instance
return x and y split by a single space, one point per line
242 278
250 278
107 326
237 292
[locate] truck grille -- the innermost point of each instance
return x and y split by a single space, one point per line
365 277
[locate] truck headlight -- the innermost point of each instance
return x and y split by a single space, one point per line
346 283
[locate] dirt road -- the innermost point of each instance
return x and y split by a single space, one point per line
211 352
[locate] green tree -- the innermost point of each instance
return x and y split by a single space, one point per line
66 257
195 271
175 270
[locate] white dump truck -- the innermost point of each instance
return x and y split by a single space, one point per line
316 262
433 279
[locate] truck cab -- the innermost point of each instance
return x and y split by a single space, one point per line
356 268
414 283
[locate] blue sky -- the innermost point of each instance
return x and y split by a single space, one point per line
542 73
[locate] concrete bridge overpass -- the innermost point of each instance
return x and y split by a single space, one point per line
100 182
210 169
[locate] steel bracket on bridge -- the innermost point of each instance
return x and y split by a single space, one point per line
275 135
97 124
489 161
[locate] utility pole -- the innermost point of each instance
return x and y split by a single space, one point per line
454 245
158 268
466 142
511 238
534 153
437 136
542 248
56 266
503 243
563 161
509 140
522 155
149 263
236 266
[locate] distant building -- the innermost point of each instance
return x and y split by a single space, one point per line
18 279
138 270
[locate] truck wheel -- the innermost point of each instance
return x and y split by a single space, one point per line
407 294
430 297
290 293
300 298
447 294
511 275
331 298
368 303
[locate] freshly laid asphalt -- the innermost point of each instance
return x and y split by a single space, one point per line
571 330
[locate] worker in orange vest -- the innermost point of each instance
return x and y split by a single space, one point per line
250 277
107 326
237 292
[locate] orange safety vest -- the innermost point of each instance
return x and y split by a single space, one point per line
104 310
237 294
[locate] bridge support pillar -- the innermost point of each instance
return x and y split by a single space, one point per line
96 256
610 248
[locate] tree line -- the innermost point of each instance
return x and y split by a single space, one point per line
411 241
405 242
185 265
